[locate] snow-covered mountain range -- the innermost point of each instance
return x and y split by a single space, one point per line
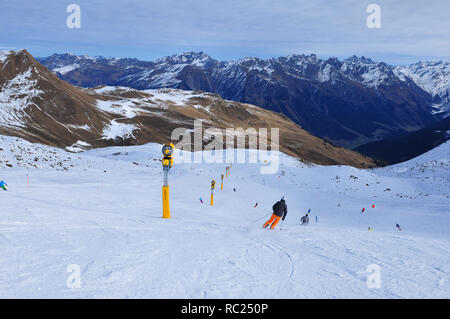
433 77
350 102
38 106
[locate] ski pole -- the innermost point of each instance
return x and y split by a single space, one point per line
261 218
281 226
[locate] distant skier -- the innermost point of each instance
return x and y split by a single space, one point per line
256 205
279 212
398 226
305 219
201 200
234 189
3 185
363 210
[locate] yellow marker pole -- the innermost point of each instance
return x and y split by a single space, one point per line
213 185
165 197
221 183
167 163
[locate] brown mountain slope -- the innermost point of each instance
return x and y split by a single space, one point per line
38 106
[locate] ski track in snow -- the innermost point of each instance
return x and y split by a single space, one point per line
110 224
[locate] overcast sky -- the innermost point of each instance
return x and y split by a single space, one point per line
411 30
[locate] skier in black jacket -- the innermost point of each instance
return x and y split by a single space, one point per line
279 212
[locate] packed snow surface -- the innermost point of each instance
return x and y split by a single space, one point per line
101 210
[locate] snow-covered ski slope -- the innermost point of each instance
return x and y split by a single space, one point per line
102 210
